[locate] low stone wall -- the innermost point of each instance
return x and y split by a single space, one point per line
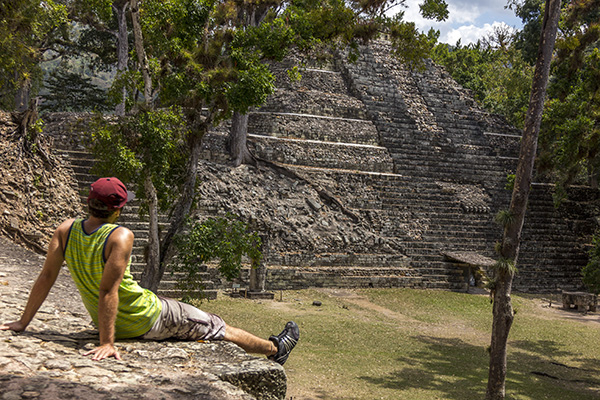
315 103
326 129
319 154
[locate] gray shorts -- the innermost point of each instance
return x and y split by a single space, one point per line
185 322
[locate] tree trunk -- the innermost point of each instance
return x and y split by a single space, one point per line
503 312
186 199
238 147
122 49
22 95
150 276
141 53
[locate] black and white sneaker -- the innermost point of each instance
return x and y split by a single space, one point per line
285 342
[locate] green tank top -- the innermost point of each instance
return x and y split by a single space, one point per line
84 253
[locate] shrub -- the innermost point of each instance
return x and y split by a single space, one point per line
591 272
226 239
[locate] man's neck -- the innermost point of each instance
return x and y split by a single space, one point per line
92 223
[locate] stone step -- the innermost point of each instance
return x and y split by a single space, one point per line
321 154
313 127
311 79
315 103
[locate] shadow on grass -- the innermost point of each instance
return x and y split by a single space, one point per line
450 366
455 369
541 347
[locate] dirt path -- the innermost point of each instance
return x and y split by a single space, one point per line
352 297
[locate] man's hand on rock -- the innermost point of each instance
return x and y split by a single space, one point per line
16 326
104 351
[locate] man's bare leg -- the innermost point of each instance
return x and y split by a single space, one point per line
249 342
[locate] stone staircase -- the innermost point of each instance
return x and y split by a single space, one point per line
407 153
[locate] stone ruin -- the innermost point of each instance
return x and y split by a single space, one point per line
417 170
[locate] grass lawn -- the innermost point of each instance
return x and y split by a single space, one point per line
422 344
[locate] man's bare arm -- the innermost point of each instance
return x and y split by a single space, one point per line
45 280
119 246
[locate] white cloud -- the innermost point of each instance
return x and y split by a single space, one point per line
460 13
471 33
468 20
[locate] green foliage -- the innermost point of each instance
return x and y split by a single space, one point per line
172 26
410 46
252 87
591 272
504 218
68 91
294 74
498 76
527 39
510 182
498 247
505 265
570 131
432 9
140 145
27 29
226 239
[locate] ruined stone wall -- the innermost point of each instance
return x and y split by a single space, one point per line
416 169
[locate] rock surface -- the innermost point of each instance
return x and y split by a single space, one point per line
35 196
46 361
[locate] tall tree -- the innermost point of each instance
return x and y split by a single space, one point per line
570 135
503 314
69 91
29 29
105 34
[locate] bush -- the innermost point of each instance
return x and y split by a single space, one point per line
591 272
225 239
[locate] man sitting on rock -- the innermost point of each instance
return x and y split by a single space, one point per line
98 255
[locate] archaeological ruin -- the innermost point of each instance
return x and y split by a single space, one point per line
417 169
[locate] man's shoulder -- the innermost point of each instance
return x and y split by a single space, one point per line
65 226
120 233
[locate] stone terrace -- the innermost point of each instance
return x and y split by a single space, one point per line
409 154
46 361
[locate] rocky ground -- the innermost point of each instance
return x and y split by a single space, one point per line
46 361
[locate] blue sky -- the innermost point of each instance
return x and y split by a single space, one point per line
469 20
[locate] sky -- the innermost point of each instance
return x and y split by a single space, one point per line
469 20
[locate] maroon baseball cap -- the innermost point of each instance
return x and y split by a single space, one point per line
110 191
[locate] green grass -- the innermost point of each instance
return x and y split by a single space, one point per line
421 344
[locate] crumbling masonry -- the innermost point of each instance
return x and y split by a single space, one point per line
418 168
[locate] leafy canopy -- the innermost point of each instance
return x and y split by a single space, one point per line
570 135
141 145
28 28
499 77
